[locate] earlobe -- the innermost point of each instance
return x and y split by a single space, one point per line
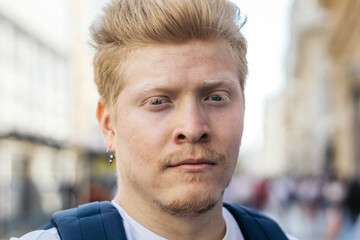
106 126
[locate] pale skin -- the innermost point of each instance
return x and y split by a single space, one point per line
178 99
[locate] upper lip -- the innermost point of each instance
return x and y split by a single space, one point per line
193 161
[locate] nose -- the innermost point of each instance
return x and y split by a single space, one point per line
192 125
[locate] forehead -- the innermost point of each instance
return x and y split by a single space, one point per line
167 63
180 53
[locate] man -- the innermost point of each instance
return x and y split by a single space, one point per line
171 77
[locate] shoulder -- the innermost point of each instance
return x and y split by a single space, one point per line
291 237
67 220
241 211
254 224
50 234
247 217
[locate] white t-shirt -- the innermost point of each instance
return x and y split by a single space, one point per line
135 231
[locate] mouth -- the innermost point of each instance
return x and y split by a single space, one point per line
193 165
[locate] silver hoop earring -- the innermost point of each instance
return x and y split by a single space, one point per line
111 155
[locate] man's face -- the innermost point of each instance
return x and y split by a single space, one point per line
179 122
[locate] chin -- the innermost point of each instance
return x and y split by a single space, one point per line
193 201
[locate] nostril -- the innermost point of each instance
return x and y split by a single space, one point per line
192 138
204 136
181 136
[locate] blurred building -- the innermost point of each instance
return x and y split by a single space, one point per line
308 109
48 141
344 50
321 112
271 159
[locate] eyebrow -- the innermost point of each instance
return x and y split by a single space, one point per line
208 85
149 86
205 86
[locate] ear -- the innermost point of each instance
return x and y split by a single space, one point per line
106 126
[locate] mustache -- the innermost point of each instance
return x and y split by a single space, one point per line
198 151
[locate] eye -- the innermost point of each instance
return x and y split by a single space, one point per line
215 97
158 101
218 98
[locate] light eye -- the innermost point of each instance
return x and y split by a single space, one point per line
158 101
216 98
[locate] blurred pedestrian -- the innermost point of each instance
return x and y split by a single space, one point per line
261 194
341 219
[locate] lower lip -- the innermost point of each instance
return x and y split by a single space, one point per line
193 168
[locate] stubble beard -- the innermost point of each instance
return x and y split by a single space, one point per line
188 206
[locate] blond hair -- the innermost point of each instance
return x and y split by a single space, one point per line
130 24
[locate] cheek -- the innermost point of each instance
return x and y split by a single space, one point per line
140 140
231 136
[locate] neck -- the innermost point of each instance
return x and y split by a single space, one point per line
209 225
